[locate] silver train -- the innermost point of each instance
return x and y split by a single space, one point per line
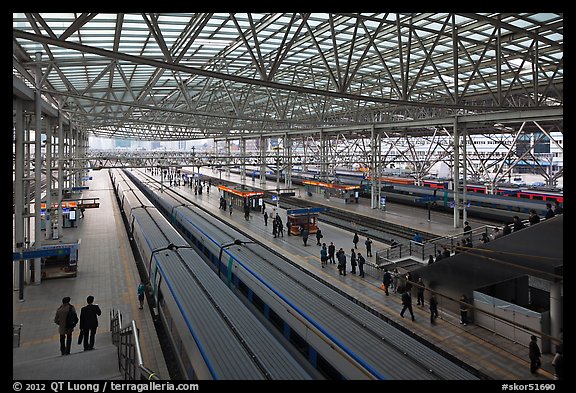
340 338
213 335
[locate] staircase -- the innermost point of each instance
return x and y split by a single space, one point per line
44 362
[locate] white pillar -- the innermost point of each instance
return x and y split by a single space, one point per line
38 168
456 174
556 312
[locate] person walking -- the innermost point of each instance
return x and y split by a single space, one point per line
433 308
265 219
534 354
323 255
407 304
318 237
305 233
66 319
361 262
274 227
141 291
280 225
467 230
420 292
288 226
368 244
463 310
558 363
355 240
89 322
386 281
341 256
230 206
331 251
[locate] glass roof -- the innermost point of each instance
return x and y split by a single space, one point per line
198 75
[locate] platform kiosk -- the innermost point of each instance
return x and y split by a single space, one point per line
336 192
72 210
302 218
58 258
240 197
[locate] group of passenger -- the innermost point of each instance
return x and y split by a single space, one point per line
66 318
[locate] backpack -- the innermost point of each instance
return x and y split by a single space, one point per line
71 319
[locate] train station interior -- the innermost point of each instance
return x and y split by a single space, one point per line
288 196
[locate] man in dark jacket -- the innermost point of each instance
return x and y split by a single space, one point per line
534 354
89 322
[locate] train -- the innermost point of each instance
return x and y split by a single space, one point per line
506 202
339 338
212 333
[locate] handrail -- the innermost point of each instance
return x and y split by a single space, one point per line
130 362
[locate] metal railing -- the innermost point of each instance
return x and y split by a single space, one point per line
127 341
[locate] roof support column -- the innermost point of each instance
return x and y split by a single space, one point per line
243 160
59 216
48 215
38 167
263 142
18 270
374 172
323 174
288 161
465 174
556 313
456 174
227 146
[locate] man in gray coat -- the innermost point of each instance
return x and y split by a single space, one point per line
66 319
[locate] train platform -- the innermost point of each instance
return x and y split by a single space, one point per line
440 223
107 271
492 355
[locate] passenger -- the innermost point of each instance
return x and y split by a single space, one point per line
534 354
66 319
439 255
433 308
420 292
89 323
288 226
395 279
141 291
407 304
353 261
497 233
533 217
280 225
558 363
318 236
361 262
331 251
409 282
355 240
506 230
386 281
368 244
430 259
467 229
275 228
485 239
341 256
549 211
463 310
445 253
230 206
558 209
393 243
265 219
417 238
518 224
323 255
305 233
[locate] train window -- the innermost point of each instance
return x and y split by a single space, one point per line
300 344
276 320
538 197
258 303
525 196
243 288
326 369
